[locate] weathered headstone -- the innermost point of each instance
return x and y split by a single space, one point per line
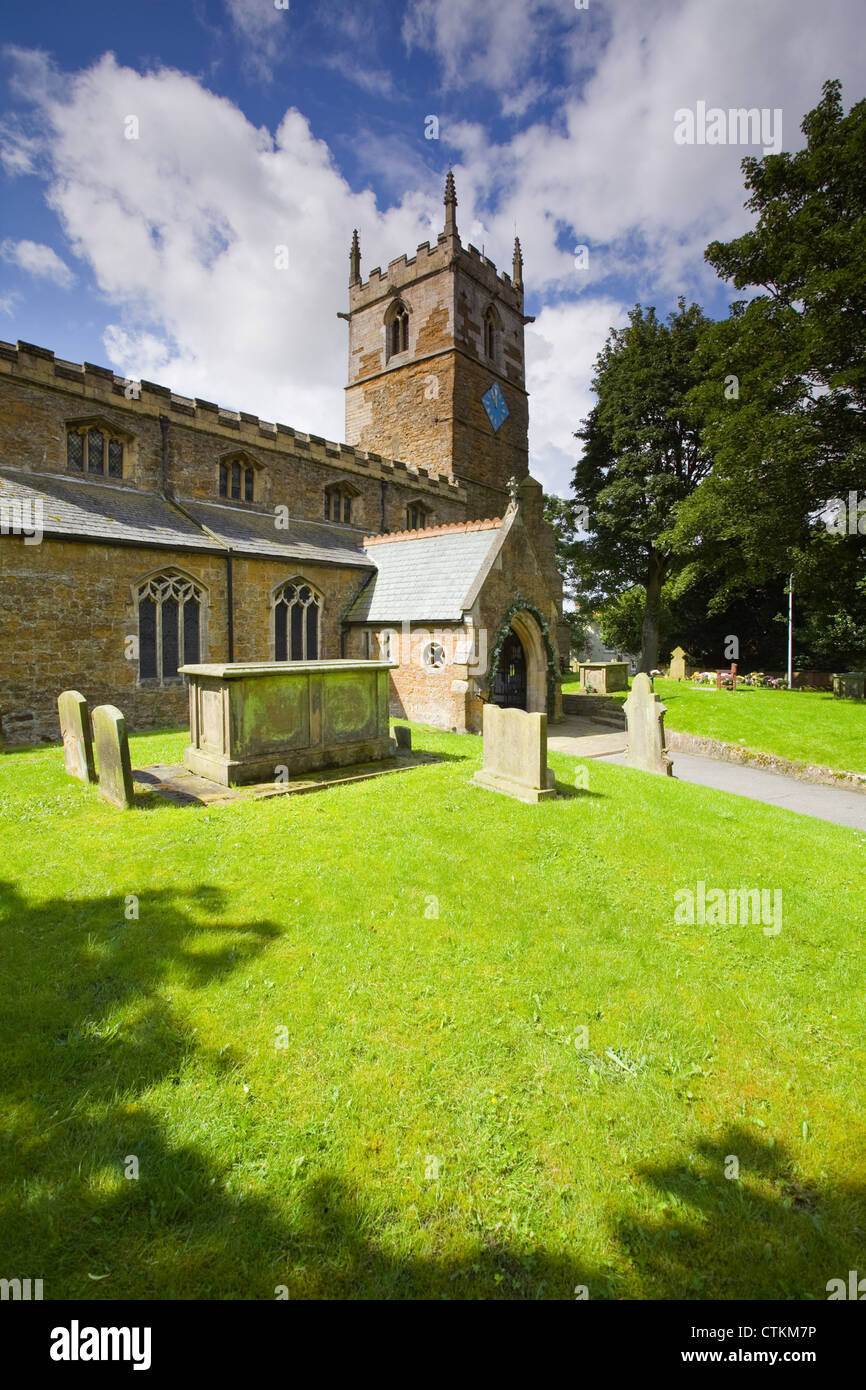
112 756
75 731
646 729
678 665
403 737
514 758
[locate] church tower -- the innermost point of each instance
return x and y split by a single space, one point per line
436 364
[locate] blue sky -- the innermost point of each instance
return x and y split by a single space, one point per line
260 126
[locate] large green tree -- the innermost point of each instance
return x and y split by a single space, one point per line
782 389
642 456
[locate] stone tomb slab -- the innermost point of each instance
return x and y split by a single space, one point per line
514 756
602 677
112 757
247 720
77 738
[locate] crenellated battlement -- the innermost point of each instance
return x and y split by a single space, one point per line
96 384
448 251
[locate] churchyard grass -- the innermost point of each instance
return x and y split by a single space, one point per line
807 726
342 1039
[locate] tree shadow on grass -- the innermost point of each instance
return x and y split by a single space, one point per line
758 1235
90 1029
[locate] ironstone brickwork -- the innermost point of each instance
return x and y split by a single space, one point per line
143 493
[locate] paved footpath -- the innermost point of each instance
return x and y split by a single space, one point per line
584 739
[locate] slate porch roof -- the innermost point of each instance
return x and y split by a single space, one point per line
83 510
424 576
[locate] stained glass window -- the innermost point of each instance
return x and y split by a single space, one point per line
169 623
95 451
75 451
104 451
297 613
115 458
338 503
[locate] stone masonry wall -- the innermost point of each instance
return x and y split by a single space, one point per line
39 394
66 608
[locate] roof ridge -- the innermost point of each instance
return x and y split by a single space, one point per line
447 528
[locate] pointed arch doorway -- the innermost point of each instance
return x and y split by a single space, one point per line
509 681
520 678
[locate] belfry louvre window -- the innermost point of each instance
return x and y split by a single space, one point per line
169 626
237 480
490 334
297 615
398 331
94 450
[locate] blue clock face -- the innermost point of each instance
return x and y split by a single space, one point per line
494 403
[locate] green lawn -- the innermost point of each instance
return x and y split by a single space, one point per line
807 726
412 1038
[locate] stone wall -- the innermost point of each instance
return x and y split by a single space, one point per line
67 608
39 394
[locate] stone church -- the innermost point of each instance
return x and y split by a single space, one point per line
140 529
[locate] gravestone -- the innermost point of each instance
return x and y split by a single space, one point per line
514 758
75 731
678 665
112 756
646 730
403 737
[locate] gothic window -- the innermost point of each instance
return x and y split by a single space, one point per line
397 325
338 503
417 516
169 625
297 617
75 451
490 333
94 447
237 480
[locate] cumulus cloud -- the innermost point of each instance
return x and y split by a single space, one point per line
222 248
39 260
561 347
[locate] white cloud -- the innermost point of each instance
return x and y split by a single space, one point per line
263 29
561 347
181 228
39 260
